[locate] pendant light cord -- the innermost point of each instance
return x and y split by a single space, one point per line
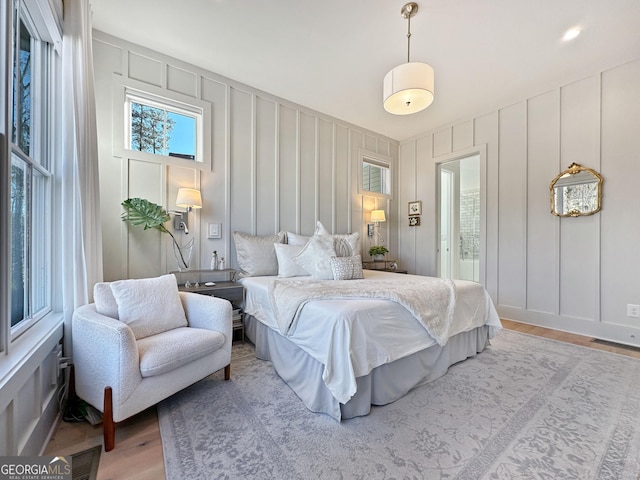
408 36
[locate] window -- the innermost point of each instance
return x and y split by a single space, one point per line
162 127
375 175
30 180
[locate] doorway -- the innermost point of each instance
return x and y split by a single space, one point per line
461 217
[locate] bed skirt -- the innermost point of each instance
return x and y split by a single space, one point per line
383 385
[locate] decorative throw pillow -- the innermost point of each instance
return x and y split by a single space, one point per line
295 239
346 245
286 266
149 305
347 268
257 255
315 257
105 301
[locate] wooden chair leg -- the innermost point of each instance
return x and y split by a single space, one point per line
227 372
108 425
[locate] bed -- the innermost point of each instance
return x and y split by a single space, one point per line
344 354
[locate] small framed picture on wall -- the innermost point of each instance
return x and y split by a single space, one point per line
414 221
415 208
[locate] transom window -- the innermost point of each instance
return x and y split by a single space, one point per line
376 175
160 127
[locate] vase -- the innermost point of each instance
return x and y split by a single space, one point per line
378 258
183 254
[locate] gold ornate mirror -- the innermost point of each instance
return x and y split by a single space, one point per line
575 192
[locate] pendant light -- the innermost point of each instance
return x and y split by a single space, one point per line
408 88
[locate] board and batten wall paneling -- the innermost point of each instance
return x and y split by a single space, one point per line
308 173
579 253
620 228
512 206
275 165
572 274
543 123
426 237
266 166
486 133
326 171
408 250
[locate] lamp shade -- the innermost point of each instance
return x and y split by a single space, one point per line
378 216
189 198
408 88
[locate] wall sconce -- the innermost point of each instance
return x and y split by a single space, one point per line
377 216
187 198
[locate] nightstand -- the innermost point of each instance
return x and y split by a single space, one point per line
229 290
383 266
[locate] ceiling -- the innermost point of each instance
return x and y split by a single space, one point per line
331 55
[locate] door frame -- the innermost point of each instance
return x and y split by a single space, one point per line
480 150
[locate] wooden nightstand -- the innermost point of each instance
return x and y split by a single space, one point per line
232 291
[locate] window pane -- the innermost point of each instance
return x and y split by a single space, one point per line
22 91
375 178
19 240
162 130
181 141
148 130
40 246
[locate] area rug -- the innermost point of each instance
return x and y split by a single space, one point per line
525 408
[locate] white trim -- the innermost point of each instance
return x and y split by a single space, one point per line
379 160
124 88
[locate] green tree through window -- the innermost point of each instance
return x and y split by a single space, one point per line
151 129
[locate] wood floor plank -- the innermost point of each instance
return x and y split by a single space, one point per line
138 451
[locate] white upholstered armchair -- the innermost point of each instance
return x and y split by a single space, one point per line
142 341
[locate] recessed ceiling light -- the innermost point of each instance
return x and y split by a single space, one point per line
571 34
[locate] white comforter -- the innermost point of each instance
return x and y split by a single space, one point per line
430 300
351 337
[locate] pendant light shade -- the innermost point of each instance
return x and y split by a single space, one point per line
408 88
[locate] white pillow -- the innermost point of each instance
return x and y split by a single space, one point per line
286 266
105 301
295 239
347 268
315 257
149 305
257 255
346 245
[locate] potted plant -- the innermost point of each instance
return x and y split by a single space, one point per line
378 252
139 211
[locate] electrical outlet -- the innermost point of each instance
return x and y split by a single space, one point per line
633 310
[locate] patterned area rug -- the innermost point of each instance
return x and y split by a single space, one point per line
525 408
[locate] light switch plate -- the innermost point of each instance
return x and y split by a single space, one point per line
214 230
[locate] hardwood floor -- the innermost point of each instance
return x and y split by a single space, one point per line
138 451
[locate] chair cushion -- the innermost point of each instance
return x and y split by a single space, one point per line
149 305
169 350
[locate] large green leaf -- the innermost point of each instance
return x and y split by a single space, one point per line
139 211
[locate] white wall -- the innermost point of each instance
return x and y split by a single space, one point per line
276 165
573 274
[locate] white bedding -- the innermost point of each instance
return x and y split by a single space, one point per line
350 337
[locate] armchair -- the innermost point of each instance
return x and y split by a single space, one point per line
121 372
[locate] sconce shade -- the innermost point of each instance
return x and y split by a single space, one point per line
189 198
408 88
378 216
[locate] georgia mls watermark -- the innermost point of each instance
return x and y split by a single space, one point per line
35 468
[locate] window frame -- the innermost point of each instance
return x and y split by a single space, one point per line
38 162
126 89
377 160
